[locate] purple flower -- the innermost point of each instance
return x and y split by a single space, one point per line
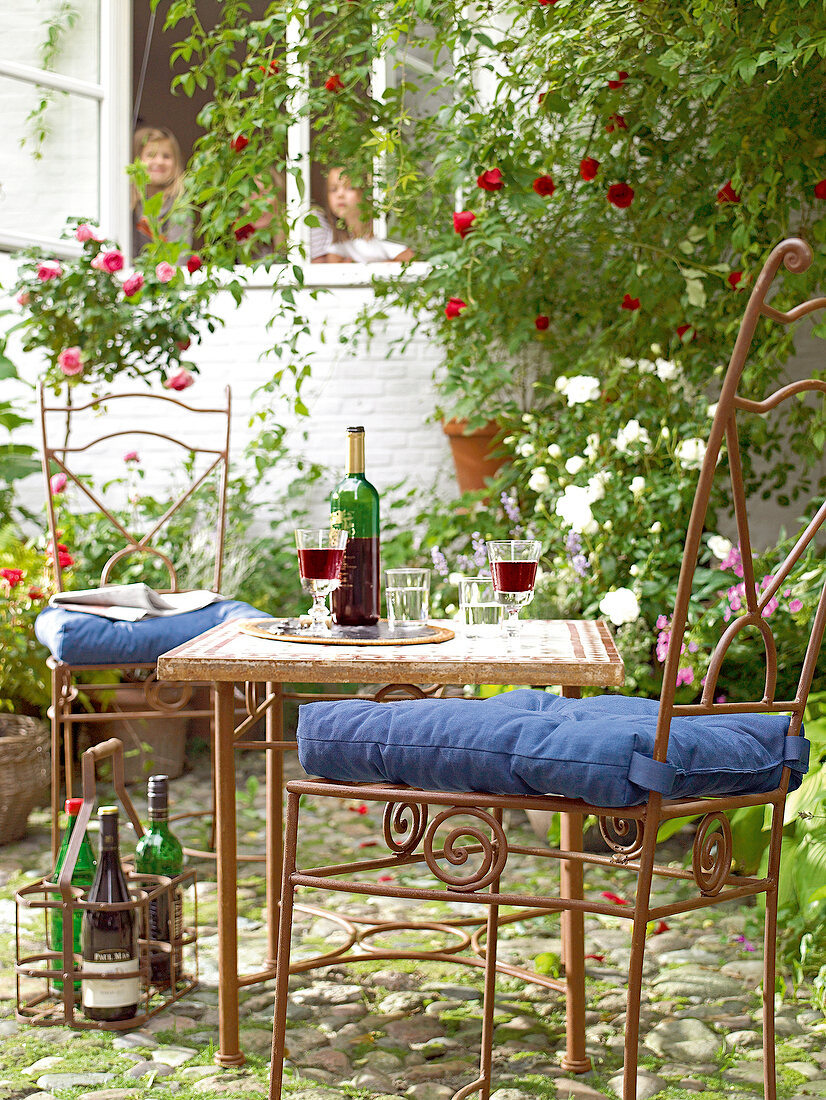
573 543
747 944
580 564
480 550
511 506
439 561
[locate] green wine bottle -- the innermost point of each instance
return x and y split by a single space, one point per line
354 508
158 852
83 876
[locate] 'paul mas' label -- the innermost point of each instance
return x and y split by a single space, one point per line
114 991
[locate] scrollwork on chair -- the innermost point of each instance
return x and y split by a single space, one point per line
493 850
711 854
411 832
152 692
617 834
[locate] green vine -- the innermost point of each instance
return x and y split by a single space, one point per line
56 27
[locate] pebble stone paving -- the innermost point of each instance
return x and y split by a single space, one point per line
409 1029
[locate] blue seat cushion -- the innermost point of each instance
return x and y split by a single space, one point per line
78 638
533 743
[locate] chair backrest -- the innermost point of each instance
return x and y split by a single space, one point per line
797 256
131 408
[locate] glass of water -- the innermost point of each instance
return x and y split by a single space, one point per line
480 611
407 593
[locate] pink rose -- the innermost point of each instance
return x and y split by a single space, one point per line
69 361
112 261
133 284
23 298
97 261
49 270
57 483
180 380
165 271
131 456
86 232
795 606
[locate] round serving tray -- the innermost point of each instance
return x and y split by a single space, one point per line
289 630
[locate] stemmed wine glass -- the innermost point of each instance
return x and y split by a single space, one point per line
513 565
320 554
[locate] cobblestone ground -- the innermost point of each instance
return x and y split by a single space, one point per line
411 1029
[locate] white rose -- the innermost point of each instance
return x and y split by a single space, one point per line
561 384
525 450
666 370
575 464
608 525
656 527
620 607
665 432
632 434
635 570
645 366
539 480
690 453
712 409
527 418
591 446
580 389
554 451
656 350
719 546
637 485
626 363
574 509
596 485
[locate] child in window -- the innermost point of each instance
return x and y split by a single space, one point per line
353 238
160 152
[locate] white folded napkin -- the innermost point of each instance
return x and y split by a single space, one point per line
133 602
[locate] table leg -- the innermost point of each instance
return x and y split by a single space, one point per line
275 813
575 1060
229 1052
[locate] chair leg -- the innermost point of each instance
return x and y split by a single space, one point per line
285 925
640 927
491 944
55 714
769 955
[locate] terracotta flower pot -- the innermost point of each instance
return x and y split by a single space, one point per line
472 452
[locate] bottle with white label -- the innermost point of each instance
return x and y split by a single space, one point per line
109 937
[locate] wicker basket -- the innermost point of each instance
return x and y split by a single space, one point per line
24 771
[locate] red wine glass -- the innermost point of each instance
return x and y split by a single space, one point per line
320 554
513 565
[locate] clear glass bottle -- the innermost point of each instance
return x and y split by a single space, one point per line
82 876
158 852
109 938
354 508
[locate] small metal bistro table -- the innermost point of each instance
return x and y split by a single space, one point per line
570 654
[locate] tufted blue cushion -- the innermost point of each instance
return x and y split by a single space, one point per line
81 639
532 743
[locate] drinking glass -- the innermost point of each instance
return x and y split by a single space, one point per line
320 554
513 565
407 594
480 610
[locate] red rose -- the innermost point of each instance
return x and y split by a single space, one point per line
463 222
820 190
727 194
734 278
183 345
621 195
65 559
333 83
682 330
271 68
544 185
454 307
588 168
630 303
622 76
545 3
239 143
616 122
133 284
542 322
491 180
244 231
36 593
12 577
193 264
540 97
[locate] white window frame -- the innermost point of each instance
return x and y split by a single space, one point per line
112 94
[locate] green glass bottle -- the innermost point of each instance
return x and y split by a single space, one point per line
354 508
158 852
82 876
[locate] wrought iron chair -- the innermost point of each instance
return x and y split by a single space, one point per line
674 764
83 645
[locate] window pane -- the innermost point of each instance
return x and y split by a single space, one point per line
37 195
37 34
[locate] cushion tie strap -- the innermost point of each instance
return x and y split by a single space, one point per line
652 774
796 754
